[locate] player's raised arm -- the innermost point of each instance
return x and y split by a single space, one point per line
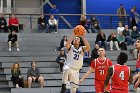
68 44
87 48
110 72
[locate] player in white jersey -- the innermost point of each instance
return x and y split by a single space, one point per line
74 62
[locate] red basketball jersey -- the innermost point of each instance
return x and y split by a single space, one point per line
101 68
120 77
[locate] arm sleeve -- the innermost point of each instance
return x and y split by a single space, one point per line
58 59
50 23
28 72
9 37
17 21
38 72
55 22
19 72
12 72
38 21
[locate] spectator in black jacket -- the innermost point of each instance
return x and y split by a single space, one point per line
101 39
127 36
3 23
41 23
94 53
61 59
63 42
13 40
95 26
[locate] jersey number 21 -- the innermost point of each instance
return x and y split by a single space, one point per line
76 56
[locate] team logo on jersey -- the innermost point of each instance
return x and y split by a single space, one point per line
78 52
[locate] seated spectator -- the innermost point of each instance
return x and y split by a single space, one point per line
112 39
87 58
101 39
41 23
52 24
61 59
16 78
121 40
126 34
135 34
13 23
63 42
94 53
95 26
13 40
83 22
120 28
3 23
33 75
138 63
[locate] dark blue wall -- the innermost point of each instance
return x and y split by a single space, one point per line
66 7
110 6
93 7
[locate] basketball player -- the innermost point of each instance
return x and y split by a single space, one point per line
100 65
74 62
136 78
120 75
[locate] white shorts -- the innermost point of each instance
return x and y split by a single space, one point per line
70 75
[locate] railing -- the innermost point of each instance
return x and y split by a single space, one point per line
107 21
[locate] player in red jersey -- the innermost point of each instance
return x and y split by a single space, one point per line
136 77
100 65
120 75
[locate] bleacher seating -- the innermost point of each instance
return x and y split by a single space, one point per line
41 47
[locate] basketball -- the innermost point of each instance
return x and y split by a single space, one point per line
79 30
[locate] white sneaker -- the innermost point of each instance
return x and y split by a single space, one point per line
9 49
17 86
111 49
119 49
18 49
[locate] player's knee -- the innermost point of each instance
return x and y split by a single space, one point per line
29 79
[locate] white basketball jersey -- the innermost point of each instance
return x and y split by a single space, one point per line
75 57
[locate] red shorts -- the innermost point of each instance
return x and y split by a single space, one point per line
118 91
99 85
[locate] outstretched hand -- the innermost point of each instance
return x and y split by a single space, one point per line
84 35
80 81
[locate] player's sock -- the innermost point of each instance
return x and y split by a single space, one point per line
63 89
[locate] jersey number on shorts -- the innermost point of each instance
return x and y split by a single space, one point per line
76 56
102 72
121 75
